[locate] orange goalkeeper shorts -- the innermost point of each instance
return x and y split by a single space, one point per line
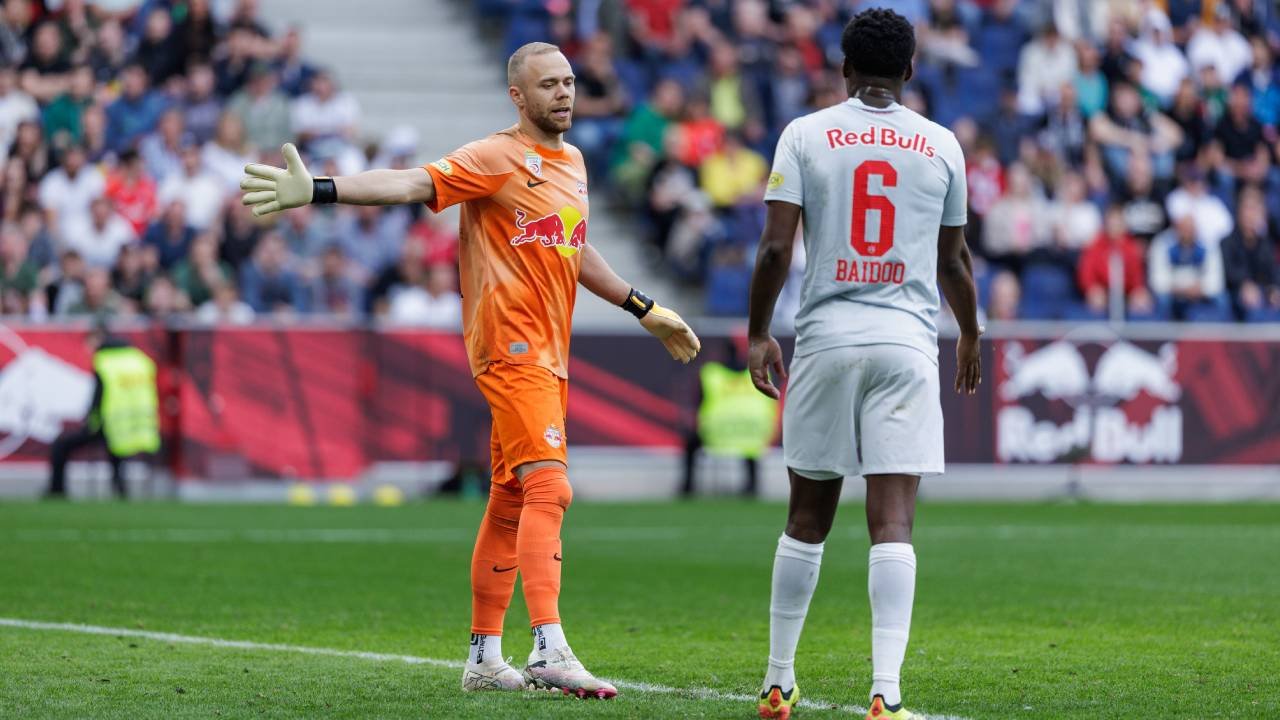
528 404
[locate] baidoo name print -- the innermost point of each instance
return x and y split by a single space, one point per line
870 271
884 137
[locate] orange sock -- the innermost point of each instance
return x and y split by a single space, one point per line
546 496
494 562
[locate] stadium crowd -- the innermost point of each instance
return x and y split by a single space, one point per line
128 124
1121 153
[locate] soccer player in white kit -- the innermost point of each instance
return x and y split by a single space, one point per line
882 194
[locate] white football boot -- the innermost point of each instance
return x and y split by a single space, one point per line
560 670
492 674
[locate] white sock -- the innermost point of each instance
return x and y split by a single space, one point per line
549 637
891 583
795 575
484 647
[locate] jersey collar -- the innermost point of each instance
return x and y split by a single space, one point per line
542 150
858 104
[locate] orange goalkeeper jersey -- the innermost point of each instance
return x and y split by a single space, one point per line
523 229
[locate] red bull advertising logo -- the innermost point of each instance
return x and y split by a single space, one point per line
1051 408
565 230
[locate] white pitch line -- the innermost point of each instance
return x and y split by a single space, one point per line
648 688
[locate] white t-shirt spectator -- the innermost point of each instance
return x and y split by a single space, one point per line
69 198
1075 224
325 118
1227 51
1213 219
203 195
416 306
99 246
1163 67
15 106
226 165
238 313
1043 68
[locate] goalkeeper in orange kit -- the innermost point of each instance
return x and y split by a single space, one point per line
523 253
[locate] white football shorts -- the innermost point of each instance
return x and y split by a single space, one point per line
863 410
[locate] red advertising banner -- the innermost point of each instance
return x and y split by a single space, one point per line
329 403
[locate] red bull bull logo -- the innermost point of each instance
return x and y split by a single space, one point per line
565 230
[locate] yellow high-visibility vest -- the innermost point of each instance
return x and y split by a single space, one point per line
129 413
734 418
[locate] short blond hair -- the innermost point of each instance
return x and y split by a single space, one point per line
516 62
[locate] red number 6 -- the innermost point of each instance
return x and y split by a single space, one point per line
863 202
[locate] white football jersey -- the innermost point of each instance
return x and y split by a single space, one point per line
874 185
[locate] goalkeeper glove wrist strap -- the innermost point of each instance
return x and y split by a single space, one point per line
637 303
325 191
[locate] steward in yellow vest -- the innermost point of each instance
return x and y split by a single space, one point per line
734 420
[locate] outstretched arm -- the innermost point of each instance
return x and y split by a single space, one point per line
955 277
271 189
773 262
664 324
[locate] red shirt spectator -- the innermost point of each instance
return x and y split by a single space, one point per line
1094 271
656 18
132 191
439 242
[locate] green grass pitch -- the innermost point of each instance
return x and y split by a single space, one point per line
1022 611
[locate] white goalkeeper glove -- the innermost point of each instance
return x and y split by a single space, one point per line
271 189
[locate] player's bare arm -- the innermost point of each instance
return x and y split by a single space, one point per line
271 189
773 261
955 277
663 323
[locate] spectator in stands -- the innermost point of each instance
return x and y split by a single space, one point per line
99 237
15 24
1250 263
372 239
98 300
241 233
94 124
698 135
18 274
1189 114
324 113
334 291
162 149
136 112
201 192
1263 81
1239 150
694 235
201 271
67 288
432 302
307 232
1218 45
732 99
408 271
62 117
132 275
1192 197
1006 294
295 72
132 191
16 191
163 300
647 124
1144 214
16 106
1045 65
269 285
734 174
231 66
160 51
1164 67
225 306
110 54
30 149
67 192
197 32
1126 129
1000 37
1017 223
1091 84
201 107
1094 273
1073 221
1186 277
264 110
1064 129
169 238
600 104
228 152
45 70
669 184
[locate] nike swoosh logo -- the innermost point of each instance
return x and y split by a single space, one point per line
533 184
498 569
556 557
